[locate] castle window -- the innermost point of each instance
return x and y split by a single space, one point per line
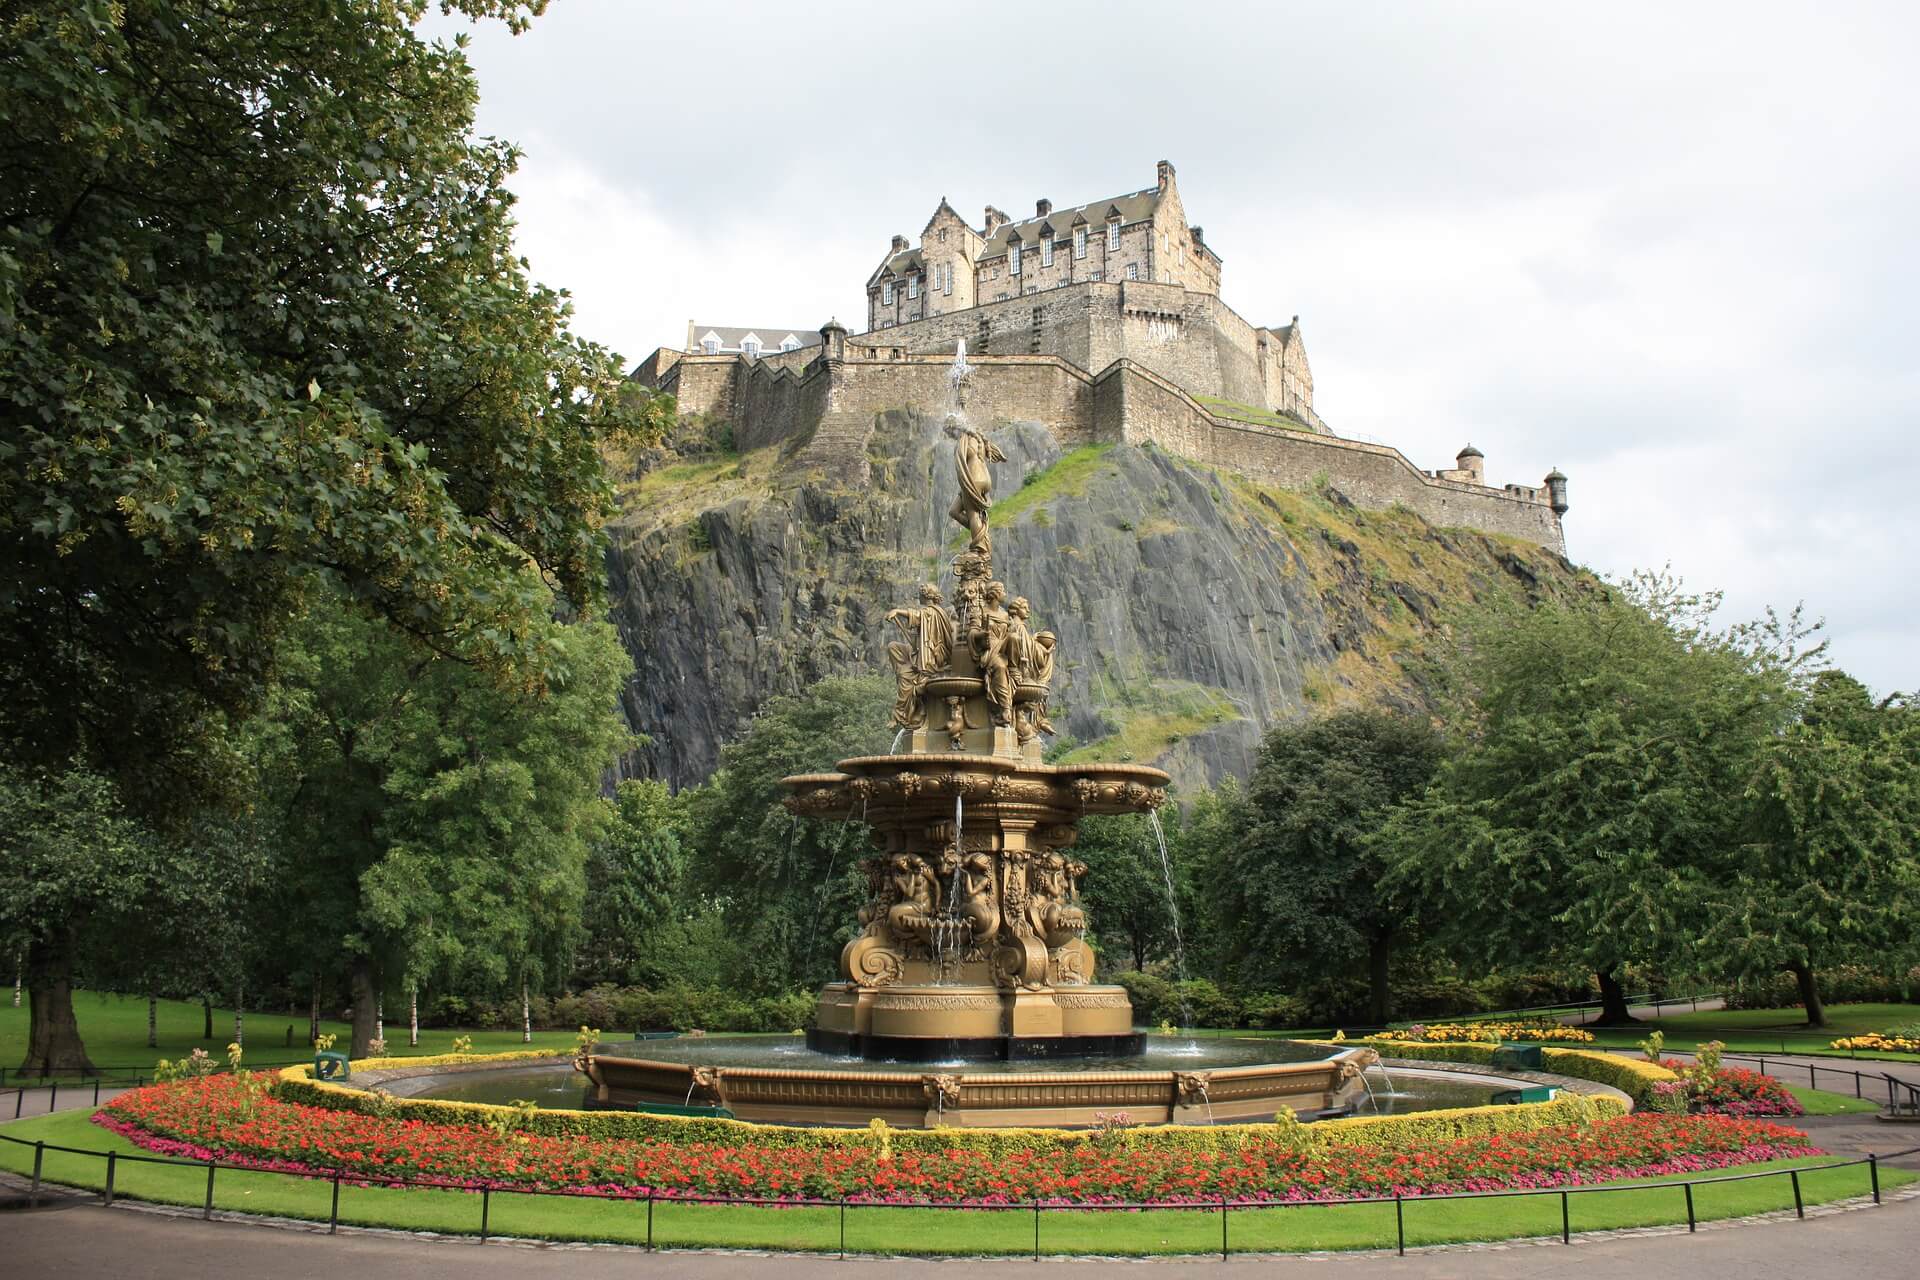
1013 259
1046 252
1133 271
789 343
949 285
1094 276
750 348
886 294
913 286
1113 236
710 345
1079 242
943 235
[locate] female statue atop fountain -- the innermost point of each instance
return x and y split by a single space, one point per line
989 638
972 452
920 656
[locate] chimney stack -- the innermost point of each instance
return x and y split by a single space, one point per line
1165 174
899 244
996 219
1042 207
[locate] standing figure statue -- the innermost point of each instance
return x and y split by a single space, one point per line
989 640
919 656
972 452
1030 654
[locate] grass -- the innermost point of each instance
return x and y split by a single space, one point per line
1154 715
922 1231
1770 1030
1236 411
114 1028
1818 1102
1068 477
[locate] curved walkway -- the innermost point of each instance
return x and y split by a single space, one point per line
77 1240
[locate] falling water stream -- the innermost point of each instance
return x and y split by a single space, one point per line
1173 911
895 748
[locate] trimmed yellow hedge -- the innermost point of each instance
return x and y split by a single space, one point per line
450 1060
297 1085
1634 1077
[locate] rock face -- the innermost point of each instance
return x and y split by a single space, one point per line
1194 608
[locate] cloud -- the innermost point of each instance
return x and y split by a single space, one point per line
1668 250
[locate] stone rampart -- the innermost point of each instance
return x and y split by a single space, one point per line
1127 402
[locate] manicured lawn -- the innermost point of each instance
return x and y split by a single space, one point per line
1768 1030
115 1030
956 1231
1819 1102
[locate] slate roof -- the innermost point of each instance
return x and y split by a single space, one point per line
1135 207
770 338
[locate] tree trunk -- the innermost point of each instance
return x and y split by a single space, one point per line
53 1036
1810 995
239 1018
18 968
313 1015
526 1014
206 1016
1379 950
153 1021
1613 1001
360 979
380 1017
413 1016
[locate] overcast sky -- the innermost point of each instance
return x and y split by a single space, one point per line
1670 249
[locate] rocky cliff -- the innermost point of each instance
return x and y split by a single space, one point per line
1194 608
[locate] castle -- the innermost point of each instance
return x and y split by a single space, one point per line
1103 321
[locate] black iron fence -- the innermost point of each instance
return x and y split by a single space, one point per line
1038 1208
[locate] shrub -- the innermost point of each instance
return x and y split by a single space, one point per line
1898 1040
1736 1091
1487 1032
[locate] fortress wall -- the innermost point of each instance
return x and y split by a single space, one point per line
768 403
702 384
1154 411
1042 389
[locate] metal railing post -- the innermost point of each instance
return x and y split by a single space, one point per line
1690 1218
1799 1207
40 1151
1223 1228
1873 1175
1036 1231
333 1215
1400 1224
649 1219
486 1204
843 1227
20 1097
113 1158
206 1210
53 1095
1566 1222
96 1091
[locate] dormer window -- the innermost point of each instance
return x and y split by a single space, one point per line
886 294
1046 250
913 287
710 345
1113 236
750 348
1079 242
1013 258
789 343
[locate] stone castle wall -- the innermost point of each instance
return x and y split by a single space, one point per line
1128 402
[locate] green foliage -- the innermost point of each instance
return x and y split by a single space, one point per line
635 886
1296 886
787 889
263 328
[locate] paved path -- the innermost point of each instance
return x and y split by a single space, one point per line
79 1242
1832 1074
39 1101
1646 1012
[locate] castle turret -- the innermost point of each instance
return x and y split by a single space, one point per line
1557 492
1473 462
833 340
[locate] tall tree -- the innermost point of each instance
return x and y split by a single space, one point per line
263 330
788 887
1603 744
635 889
1301 889
434 823
1133 900
1828 867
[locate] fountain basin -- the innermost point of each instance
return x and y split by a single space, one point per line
961 1097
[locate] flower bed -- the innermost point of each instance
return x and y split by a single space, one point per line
1731 1091
209 1119
1881 1042
1485 1033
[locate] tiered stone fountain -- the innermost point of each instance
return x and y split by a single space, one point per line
971 946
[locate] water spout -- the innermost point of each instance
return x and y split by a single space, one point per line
895 748
1173 912
960 370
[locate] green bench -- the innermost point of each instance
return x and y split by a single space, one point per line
1532 1093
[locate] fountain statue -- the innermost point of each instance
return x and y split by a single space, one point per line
973 942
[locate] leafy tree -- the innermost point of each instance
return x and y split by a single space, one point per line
433 823
1603 746
1827 870
263 331
787 888
1299 890
1126 889
635 888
